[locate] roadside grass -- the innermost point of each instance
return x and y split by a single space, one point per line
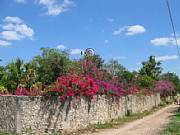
174 126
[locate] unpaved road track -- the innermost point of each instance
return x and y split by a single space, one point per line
149 125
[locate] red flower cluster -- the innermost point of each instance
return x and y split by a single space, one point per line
75 86
132 90
22 91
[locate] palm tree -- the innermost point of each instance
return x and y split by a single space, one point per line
13 73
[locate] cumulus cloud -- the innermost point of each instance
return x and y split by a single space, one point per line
14 28
164 41
10 35
10 19
130 30
4 43
61 47
75 51
56 7
166 57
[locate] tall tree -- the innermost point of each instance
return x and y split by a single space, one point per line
12 75
151 68
50 65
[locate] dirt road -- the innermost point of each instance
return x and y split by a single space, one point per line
149 125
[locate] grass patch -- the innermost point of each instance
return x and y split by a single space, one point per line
174 126
120 121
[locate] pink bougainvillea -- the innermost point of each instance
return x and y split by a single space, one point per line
22 91
110 88
75 86
165 87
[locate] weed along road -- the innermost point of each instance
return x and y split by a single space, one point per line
149 125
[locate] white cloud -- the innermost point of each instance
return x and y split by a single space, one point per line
164 41
4 43
130 30
21 1
61 47
55 7
75 51
10 19
22 29
10 35
110 19
166 57
14 28
119 58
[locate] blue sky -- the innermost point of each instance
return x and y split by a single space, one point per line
127 30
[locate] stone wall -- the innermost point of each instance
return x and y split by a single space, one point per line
25 114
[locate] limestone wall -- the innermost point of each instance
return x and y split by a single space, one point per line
33 114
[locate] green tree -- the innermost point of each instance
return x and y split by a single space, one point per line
126 76
50 65
114 68
1 72
144 81
151 68
12 75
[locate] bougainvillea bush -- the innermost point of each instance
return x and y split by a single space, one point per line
164 87
74 86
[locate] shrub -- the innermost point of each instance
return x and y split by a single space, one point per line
165 87
74 86
3 90
110 88
144 81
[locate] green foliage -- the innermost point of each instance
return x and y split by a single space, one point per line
174 126
126 76
114 68
96 59
144 81
12 75
3 90
151 68
50 65
1 72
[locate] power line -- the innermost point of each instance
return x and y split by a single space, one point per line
173 27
